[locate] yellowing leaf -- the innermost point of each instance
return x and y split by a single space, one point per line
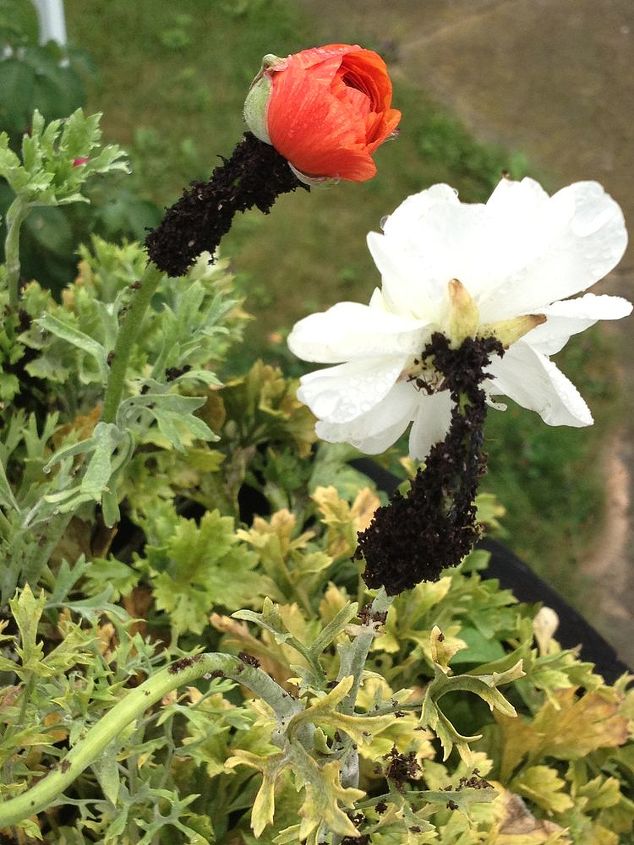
489 511
283 555
27 611
389 640
276 534
271 767
363 508
344 521
543 786
341 537
568 729
334 600
518 826
239 639
323 794
600 793
323 711
442 650
267 401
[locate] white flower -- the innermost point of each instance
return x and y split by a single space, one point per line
504 269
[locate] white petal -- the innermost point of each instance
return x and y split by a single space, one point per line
422 249
573 316
415 208
431 423
512 198
350 330
377 302
545 250
343 393
405 288
376 430
534 382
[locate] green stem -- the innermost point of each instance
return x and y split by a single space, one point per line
16 215
128 333
354 664
362 644
48 791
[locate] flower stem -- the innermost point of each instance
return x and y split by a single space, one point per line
128 333
16 215
374 618
434 525
353 663
48 791
254 176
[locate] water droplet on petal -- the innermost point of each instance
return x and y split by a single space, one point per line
325 403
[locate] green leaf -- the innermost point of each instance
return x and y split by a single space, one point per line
106 769
81 134
205 376
331 468
6 494
92 608
484 686
463 797
69 451
27 611
10 164
110 507
106 438
78 339
335 627
203 566
480 649
269 619
108 451
121 577
66 578
174 416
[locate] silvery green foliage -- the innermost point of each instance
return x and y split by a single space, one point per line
57 159
130 546
184 770
64 359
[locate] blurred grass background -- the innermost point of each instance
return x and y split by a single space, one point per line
171 80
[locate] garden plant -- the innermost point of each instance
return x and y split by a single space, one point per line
215 628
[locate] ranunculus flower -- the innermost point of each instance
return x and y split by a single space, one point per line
504 270
326 110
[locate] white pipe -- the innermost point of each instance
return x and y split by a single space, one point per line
52 21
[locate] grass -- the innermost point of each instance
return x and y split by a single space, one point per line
172 80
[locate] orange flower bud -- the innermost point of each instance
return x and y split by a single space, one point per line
326 110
